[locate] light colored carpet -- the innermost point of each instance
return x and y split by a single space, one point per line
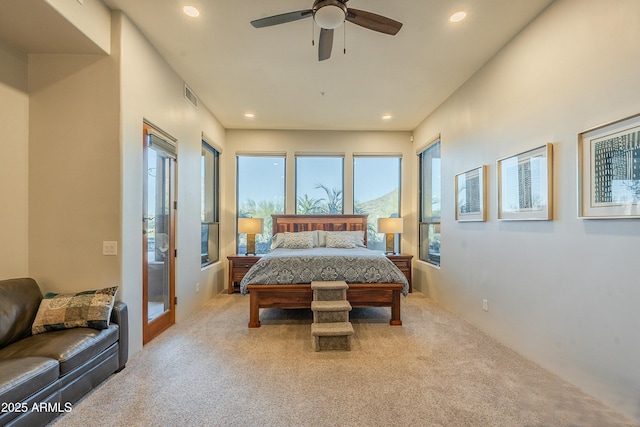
435 370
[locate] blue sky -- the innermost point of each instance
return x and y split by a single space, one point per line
262 178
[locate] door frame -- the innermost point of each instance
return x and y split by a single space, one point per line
152 329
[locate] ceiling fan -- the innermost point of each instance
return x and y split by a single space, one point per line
330 14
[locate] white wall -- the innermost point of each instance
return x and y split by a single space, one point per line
298 141
74 167
73 162
74 171
14 164
564 292
151 90
44 117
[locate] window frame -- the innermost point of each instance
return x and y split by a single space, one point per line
429 225
206 258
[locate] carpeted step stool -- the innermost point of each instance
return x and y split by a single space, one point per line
330 311
332 336
329 291
331 329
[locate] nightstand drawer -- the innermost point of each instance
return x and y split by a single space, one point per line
403 264
238 274
243 264
239 265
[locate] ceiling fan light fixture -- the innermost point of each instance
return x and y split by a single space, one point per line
330 14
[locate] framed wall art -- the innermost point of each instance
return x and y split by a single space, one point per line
609 170
525 185
471 202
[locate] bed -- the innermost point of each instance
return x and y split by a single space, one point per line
282 278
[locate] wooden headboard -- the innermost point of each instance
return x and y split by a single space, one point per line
294 223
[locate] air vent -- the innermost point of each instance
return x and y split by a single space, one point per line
190 96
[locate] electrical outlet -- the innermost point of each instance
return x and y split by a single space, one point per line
197 288
109 248
485 305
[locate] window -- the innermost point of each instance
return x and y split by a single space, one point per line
319 185
209 205
376 191
430 197
261 193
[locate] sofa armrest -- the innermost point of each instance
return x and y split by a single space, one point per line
120 316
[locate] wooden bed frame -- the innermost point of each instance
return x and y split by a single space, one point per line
301 295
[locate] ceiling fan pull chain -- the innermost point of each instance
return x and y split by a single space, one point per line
344 39
313 33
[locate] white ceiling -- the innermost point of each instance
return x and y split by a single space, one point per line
274 72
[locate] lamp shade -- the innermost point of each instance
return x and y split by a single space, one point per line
250 225
390 225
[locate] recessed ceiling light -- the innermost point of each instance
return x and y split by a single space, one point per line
458 16
387 117
191 11
249 115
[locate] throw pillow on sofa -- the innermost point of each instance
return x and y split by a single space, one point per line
88 309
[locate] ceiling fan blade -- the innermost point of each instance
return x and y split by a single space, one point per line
374 22
282 18
325 44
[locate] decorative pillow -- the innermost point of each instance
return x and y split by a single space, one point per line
357 236
88 309
300 240
340 240
277 241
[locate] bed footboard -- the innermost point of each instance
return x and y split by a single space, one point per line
301 295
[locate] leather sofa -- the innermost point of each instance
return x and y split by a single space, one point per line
43 375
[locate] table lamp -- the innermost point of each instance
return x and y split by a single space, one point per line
250 227
390 226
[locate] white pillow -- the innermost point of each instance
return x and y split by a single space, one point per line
358 237
340 240
300 240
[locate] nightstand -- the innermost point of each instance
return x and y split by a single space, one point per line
403 262
238 267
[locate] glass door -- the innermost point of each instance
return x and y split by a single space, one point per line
158 233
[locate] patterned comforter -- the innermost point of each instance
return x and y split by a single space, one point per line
359 265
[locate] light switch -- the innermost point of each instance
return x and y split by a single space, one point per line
109 248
